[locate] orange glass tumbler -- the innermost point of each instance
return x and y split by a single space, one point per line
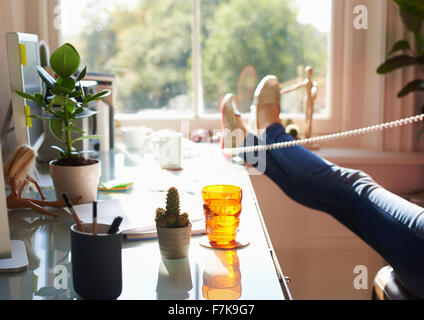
222 208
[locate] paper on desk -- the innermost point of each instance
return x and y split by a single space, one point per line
107 210
137 218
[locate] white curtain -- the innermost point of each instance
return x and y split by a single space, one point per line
29 16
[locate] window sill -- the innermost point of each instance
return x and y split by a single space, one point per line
370 157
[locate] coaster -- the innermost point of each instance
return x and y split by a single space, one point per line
240 242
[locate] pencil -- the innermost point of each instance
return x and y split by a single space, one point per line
95 218
74 214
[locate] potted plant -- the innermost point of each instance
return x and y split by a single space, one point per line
173 228
64 103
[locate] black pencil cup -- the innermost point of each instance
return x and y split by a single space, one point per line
96 263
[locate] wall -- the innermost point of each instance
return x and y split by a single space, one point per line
32 16
315 250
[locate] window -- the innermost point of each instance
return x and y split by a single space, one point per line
242 41
151 46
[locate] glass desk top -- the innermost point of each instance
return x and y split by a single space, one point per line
247 273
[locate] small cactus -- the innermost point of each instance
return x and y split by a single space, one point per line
171 216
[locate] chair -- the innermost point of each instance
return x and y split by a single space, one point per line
388 287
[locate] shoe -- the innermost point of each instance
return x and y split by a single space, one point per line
229 112
266 93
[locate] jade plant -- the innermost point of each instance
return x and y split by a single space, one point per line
171 217
404 54
64 102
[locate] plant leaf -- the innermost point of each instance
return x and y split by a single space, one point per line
101 95
400 45
57 148
412 7
45 76
56 129
395 63
82 74
65 60
68 83
75 94
59 114
58 100
85 113
87 137
70 105
26 95
44 117
73 129
414 85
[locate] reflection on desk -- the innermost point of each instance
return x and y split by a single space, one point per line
222 277
247 273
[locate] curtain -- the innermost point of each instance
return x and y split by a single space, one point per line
403 138
364 97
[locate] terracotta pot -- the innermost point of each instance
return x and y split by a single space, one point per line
76 181
174 242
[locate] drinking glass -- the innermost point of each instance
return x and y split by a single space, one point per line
222 208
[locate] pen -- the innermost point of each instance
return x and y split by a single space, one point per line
95 218
115 225
74 214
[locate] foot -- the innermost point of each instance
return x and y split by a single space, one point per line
234 130
267 102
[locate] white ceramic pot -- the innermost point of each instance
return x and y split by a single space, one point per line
76 181
174 242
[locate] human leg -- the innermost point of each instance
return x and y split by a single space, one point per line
391 225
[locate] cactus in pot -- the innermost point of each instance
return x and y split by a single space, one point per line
173 227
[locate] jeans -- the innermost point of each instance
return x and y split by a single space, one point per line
391 225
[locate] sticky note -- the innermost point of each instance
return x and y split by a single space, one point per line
22 52
28 118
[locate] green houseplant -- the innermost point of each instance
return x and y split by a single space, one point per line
404 54
173 228
64 103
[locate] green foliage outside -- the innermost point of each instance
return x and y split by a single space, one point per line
149 47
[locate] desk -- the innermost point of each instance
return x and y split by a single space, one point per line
251 270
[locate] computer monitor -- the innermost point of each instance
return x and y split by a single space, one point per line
13 257
23 56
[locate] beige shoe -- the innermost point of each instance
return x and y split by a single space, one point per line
229 112
267 93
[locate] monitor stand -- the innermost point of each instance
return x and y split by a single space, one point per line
19 260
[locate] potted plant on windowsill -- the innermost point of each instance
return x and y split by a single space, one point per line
173 228
71 172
